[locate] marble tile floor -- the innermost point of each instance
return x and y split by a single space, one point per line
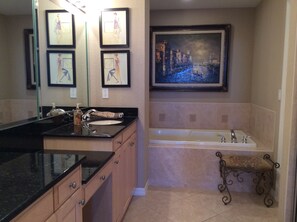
172 205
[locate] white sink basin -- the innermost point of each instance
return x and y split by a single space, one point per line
105 122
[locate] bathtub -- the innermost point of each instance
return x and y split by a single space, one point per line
197 137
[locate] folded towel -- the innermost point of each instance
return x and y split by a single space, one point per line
109 115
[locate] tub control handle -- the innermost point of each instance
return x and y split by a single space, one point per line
244 139
223 139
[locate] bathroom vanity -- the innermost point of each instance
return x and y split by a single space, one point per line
120 140
82 173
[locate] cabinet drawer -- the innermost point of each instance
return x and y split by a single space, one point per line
93 185
42 209
64 189
129 131
71 210
117 142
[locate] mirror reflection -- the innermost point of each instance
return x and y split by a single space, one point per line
18 96
69 58
17 102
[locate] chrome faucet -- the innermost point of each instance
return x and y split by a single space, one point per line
233 137
87 116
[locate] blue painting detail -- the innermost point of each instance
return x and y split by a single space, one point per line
188 58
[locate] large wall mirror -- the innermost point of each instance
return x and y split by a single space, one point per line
63 59
20 100
17 102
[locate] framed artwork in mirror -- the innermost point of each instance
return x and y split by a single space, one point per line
114 28
115 68
60 29
189 58
61 68
30 59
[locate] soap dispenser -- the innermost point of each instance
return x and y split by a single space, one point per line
77 115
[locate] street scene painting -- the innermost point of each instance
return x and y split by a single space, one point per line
190 58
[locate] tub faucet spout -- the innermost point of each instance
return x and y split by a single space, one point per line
233 137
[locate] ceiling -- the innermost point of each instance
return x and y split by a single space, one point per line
23 7
196 4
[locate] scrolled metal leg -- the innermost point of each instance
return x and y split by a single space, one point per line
224 186
259 189
269 179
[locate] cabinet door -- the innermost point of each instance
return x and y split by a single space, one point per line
129 152
40 210
116 186
132 163
71 210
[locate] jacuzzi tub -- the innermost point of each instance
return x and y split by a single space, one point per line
198 137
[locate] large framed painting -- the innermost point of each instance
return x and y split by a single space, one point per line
114 28
60 29
61 68
190 58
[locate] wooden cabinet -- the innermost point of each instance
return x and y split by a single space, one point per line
88 144
95 183
123 165
40 210
124 177
65 188
71 210
62 203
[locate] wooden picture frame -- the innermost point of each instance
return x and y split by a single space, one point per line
189 58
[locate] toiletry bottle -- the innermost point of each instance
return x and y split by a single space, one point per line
77 115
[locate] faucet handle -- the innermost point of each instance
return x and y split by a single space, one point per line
244 139
223 139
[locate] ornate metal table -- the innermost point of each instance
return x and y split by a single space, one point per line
262 168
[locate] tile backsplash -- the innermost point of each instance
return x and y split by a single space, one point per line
258 121
16 109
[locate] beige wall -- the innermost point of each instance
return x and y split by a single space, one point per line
137 94
240 56
288 118
268 56
12 57
4 79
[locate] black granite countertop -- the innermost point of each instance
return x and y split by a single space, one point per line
90 131
25 177
93 162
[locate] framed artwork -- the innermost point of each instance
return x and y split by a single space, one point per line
60 29
30 59
189 58
61 68
115 68
114 28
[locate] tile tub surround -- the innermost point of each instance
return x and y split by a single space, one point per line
192 168
256 120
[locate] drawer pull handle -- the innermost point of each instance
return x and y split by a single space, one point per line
116 162
102 178
82 202
72 185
